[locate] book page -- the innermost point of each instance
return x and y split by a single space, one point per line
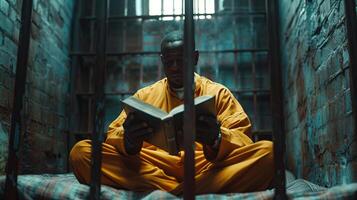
133 104
198 101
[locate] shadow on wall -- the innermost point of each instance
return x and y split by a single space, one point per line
4 140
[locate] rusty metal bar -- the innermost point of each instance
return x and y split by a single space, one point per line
189 113
276 99
113 17
74 74
20 82
351 24
81 53
98 103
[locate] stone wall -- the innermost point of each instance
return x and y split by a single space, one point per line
321 146
43 145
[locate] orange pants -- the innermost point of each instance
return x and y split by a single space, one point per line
249 168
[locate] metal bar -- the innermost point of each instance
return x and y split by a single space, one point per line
351 24
235 40
276 99
259 91
255 104
173 7
262 131
20 83
114 17
73 115
189 113
258 131
98 103
182 9
79 53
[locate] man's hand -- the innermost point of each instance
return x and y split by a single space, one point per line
208 129
135 132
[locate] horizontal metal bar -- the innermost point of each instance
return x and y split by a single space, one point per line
106 94
258 91
262 131
117 17
82 53
89 134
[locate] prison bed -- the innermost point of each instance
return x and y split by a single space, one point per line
66 186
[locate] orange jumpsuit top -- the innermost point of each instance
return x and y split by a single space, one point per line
235 125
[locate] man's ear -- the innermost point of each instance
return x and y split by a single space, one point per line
196 55
162 58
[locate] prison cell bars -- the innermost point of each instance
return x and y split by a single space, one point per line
189 121
161 16
20 81
276 99
98 105
351 26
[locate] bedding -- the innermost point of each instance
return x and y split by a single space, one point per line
66 186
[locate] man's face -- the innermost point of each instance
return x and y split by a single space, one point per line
173 62
172 59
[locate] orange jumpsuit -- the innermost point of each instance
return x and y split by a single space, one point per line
240 165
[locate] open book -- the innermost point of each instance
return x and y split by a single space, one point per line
168 127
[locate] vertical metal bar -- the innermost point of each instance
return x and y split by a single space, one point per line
205 9
255 89
98 104
90 102
351 24
20 83
141 70
235 71
162 9
189 113
125 7
123 46
74 73
182 9
276 98
173 8
216 6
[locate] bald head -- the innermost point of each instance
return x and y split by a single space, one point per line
172 40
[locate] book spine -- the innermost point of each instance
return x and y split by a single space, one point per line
170 137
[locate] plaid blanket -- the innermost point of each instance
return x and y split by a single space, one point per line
66 186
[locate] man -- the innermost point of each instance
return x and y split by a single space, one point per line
226 159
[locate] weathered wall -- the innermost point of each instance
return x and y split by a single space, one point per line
321 146
43 148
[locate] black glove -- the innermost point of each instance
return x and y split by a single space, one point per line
135 132
207 129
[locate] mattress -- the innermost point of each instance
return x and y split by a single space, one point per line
66 186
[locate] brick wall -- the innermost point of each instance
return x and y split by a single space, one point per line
321 146
43 145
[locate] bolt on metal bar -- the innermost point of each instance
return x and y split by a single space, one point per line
98 101
20 83
276 99
189 112
351 24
